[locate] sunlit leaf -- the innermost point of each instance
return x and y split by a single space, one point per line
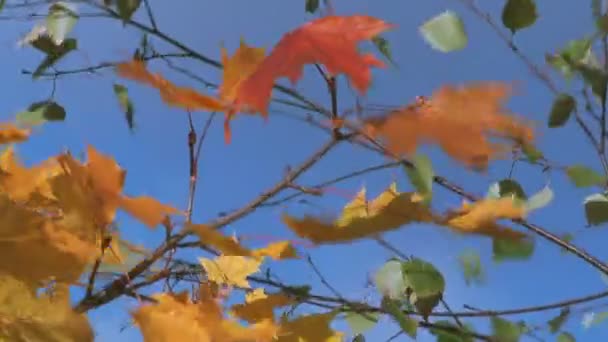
309 328
261 309
61 19
421 176
583 176
389 280
445 32
361 322
425 282
540 199
41 112
230 270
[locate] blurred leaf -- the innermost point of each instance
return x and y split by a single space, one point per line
471 267
561 110
592 318
359 338
556 323
582 176
41 112
384 47
519 14
509 187
596 78
531 152
54 52
2 3
421 176
126 8
406 323
425 282
125 104
565 337
509 249
312 6
451 335
575 52
60 21
445 32
361 322
540 199
505 331
389 280
567 238
596 209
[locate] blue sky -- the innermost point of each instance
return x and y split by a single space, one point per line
156 156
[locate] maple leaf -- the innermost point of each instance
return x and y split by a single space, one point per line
181 97
255 295
388 211
309 328
230 270
215 239
30 317
147 209
277 250
9 133
331 41
480 218
462 120
237 69
259 309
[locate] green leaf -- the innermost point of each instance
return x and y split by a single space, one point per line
519 14
41 112
531 152
591 318
509 249
126 8
60 21
424 283
596 78
2 3
361 322
582 176
389 280
471 267
561 110
596 209
384 47
565 337
509 187
53 52
406 323
576 51
312 6
556 323
125 104
451 333
540 199
445 32
421 176
505 331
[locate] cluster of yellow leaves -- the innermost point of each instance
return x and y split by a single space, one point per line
249 75
54 223
390 210
461 120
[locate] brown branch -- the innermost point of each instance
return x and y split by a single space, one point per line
117 287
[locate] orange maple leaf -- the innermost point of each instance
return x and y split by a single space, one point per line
182 97
462 120
331 41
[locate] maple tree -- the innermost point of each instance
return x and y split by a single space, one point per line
60 233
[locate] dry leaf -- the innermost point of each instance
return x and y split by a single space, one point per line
231 270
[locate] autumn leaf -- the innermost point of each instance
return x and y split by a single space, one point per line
230 270
181 97
147 209
9 133
255 295
309 328
480 217
389 211
262 308
30 317
467 122
331 41
277 251
215 239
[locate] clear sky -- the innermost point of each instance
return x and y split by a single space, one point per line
230 175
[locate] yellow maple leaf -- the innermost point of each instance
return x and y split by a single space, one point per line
30 317
9 133
146 209
388 211
215 239
255 295
309 328
277 251
480 217
259 309
231 270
